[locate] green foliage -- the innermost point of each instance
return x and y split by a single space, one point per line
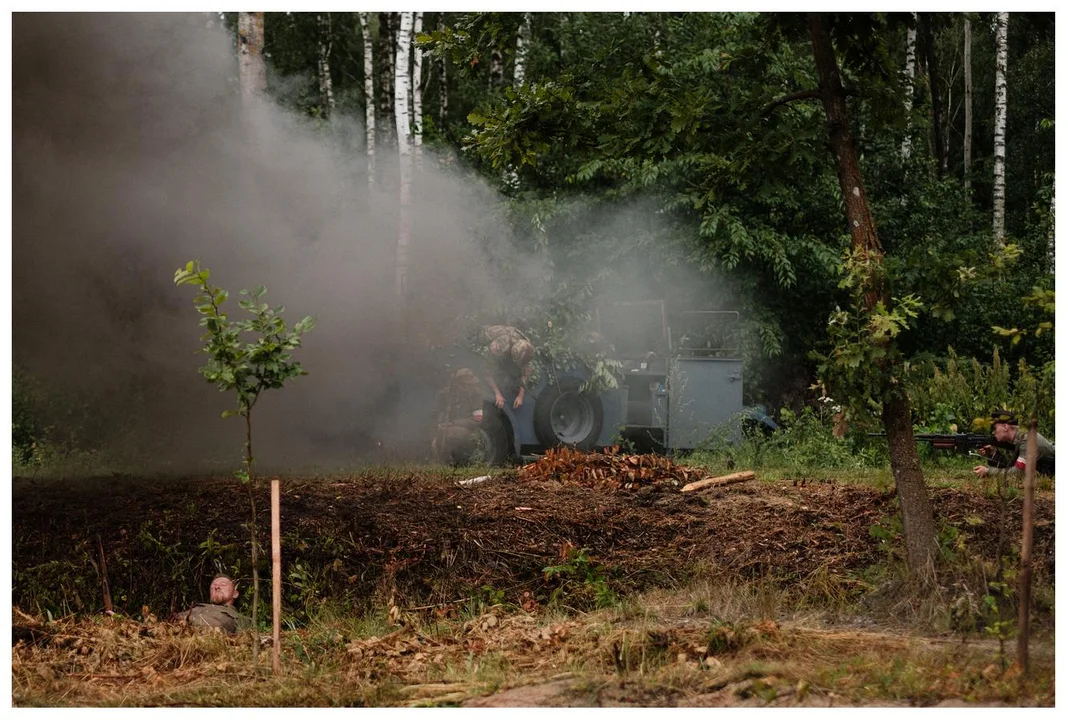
962 392
246 368
579 580
804 445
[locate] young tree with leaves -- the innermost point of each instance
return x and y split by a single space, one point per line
247 369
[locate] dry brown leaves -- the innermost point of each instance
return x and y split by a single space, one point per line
609 469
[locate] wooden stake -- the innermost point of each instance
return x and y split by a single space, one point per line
719 481
276 572
1024 590
104 577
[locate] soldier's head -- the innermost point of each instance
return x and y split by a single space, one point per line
223 591
522 352
1003 425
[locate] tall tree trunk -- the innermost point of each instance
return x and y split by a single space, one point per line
1001 96
369 94
252 71
910 88
404 40
968 103
386 104
417 88
326 85
522 45
443 84
917 518
934 80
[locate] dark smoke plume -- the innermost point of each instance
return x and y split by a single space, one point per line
131 155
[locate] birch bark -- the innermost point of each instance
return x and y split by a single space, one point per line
443 84
252 71
1001 95
910 73
369 94
522 44
404 40
417 88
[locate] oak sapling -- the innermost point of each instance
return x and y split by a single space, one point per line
246 368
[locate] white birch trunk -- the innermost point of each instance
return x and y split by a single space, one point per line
522 44
400 94
369 94
910 73
417 88
252 71
1001 94
443 85
326 85
967 103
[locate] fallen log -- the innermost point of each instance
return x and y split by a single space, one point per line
719 481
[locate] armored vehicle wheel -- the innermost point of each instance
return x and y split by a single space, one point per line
565 416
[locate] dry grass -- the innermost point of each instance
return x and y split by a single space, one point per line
710 644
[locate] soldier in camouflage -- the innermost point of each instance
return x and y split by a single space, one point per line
509 358
455 430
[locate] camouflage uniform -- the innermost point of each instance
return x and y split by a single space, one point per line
223 617
509 357
456 432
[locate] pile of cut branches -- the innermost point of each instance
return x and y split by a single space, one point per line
609 469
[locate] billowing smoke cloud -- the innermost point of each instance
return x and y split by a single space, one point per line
132 154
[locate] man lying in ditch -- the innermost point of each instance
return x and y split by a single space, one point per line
220 612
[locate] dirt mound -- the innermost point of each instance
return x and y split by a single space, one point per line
429 544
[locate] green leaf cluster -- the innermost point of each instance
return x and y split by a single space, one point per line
235 362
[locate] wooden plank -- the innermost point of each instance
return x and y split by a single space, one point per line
720 481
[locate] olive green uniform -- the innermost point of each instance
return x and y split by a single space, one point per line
223 617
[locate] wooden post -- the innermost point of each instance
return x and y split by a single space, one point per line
1024 590
276 573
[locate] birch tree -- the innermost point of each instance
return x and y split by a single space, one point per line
910 73
1001 96
404 41
326 85
417 88
369 94
968 93
443 82
522 45
252 71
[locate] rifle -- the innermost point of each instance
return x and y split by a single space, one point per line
963 443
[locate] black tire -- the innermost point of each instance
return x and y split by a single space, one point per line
565 416
494 436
